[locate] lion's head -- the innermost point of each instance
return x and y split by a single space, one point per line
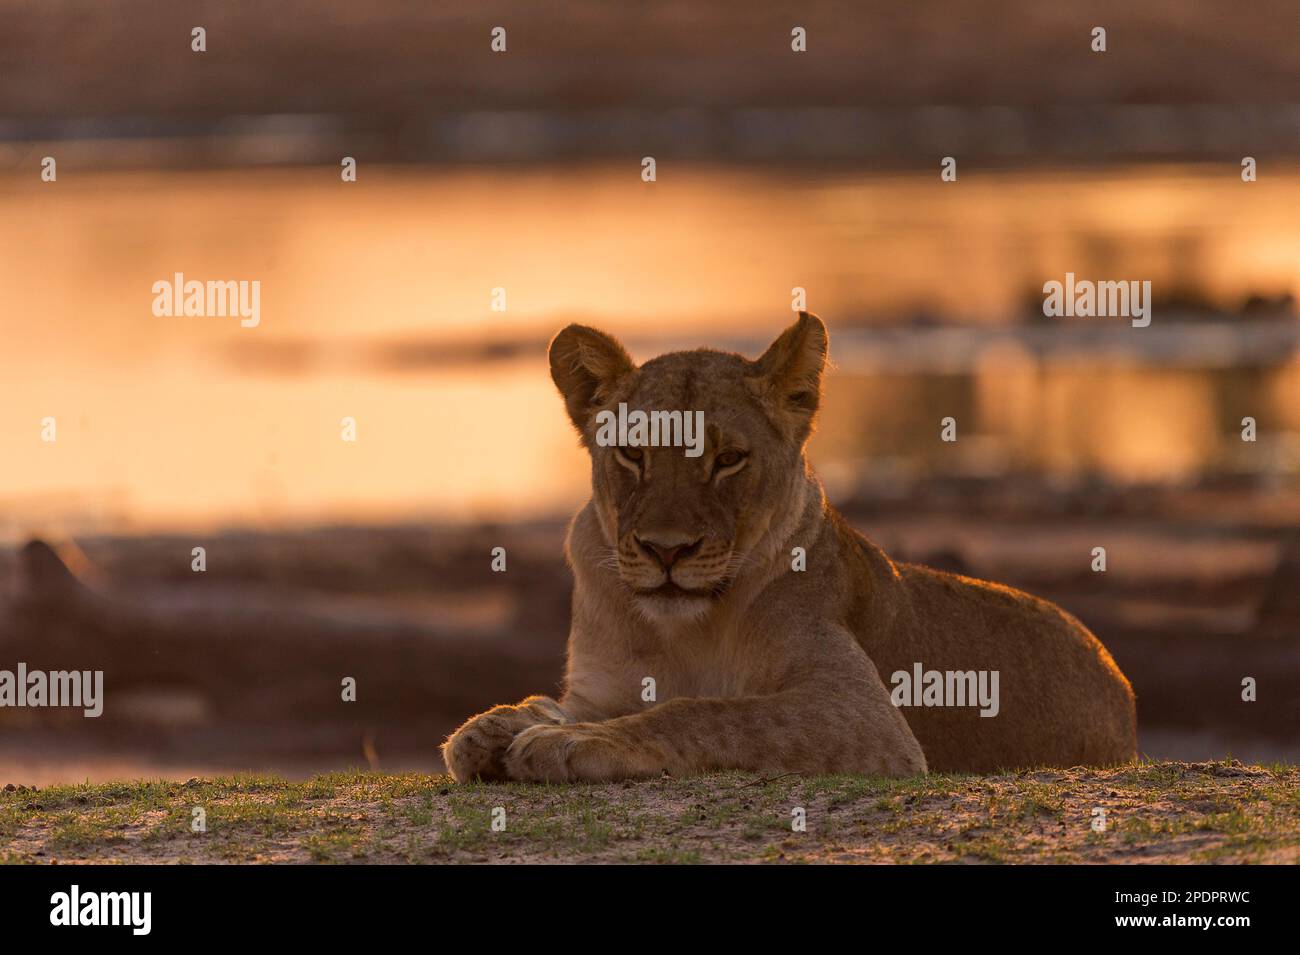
683 529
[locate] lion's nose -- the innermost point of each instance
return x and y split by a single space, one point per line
668 553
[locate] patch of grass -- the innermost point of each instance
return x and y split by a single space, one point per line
668 855
335 846
1177 812
71 831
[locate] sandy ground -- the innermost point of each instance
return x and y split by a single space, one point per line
1163 812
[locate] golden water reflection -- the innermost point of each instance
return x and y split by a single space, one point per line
159 426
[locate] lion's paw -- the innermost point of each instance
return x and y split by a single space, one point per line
575 753
478 748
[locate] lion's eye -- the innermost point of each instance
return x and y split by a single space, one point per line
728 459
632 454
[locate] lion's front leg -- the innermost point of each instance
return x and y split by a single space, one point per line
811 731
476 750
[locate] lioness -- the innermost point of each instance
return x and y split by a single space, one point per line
684 575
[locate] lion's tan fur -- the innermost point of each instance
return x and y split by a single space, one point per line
755 665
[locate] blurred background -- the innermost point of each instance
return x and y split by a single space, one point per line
521 170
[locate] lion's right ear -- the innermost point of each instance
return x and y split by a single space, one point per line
587 365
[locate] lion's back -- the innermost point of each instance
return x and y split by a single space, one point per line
1061 698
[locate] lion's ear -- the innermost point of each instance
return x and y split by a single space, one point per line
789 379
587 365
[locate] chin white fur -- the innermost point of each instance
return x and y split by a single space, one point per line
673 611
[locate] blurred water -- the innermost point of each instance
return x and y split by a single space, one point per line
196 421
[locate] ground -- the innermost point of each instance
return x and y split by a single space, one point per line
1154 812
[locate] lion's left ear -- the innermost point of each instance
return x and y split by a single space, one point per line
789 379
